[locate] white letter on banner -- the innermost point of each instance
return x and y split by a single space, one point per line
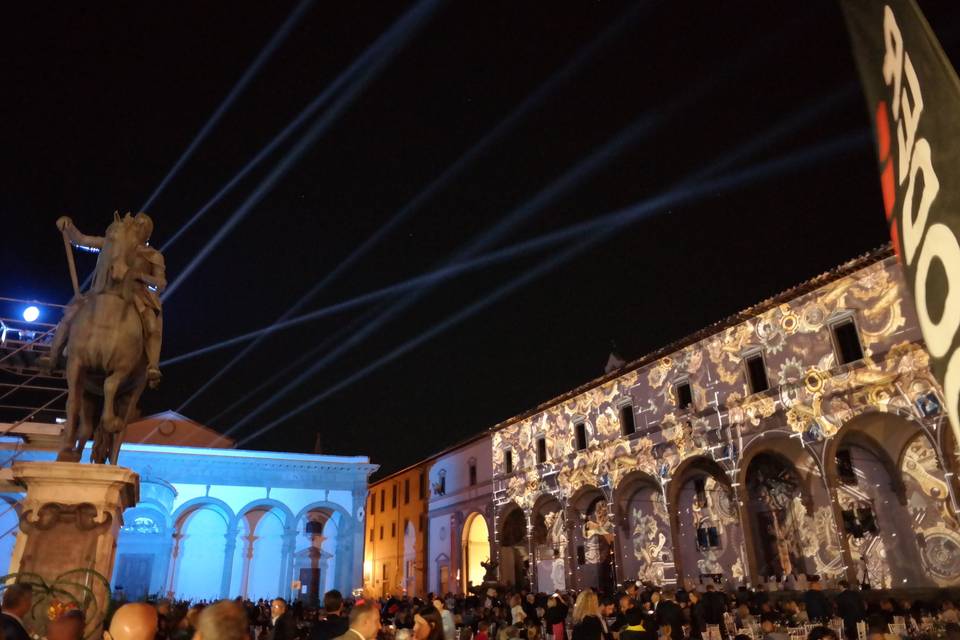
940 243
907 127
892 57
913 227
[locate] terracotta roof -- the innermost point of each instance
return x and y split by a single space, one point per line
172 428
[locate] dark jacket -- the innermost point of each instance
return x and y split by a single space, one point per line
670 613
588 629
330 627
714 606
285 628
850 607
12 630
698 621
818 608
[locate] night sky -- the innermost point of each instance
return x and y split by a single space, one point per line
99 104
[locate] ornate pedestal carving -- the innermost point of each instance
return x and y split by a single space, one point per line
69 522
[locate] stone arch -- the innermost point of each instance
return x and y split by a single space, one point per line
475 543
201 565
773 524
266 504
878 431
549 531
513 543
872 510
930 505
324 557
705 522
644 533
207 502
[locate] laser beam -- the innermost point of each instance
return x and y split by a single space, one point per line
272 45
440 182
671 198
398 34
511 252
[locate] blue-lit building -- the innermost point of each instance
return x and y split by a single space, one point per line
214 521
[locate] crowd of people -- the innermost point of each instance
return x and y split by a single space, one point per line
635 613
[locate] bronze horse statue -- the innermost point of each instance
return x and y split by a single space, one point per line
106 363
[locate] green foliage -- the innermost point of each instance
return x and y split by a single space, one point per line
70 587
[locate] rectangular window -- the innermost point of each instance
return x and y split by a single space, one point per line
381 532
846 341
393 529
383 500
473 475
422 489
757 373
628 425
422 519
508 461
581 555
580 431
541 450
371 535
384 574
394 505
708 538
373 502
684 395
406 491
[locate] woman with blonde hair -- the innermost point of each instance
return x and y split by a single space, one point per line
586 617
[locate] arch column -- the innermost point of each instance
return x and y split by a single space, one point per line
831 484
531 560
286 562
229 548
174 563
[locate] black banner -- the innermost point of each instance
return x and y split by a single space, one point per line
913 94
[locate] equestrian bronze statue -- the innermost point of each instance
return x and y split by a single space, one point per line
110 335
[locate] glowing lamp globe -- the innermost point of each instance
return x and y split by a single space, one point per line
31 313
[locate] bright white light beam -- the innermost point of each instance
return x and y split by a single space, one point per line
398 34
669 199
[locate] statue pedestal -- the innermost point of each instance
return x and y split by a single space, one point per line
69 521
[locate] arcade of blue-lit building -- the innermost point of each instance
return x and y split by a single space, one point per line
214 521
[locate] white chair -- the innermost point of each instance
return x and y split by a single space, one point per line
861 631
898 629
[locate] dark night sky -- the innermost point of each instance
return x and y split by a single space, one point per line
98 104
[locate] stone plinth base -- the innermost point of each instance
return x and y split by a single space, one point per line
69 522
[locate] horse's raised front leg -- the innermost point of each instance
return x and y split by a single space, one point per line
69 451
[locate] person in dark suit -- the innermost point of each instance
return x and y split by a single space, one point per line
698 621
851 608
17 599
670 613
283 626
334 624
818 608
714 606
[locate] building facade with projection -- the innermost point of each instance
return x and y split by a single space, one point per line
214 521
804 436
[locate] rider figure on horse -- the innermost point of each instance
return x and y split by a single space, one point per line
149 274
